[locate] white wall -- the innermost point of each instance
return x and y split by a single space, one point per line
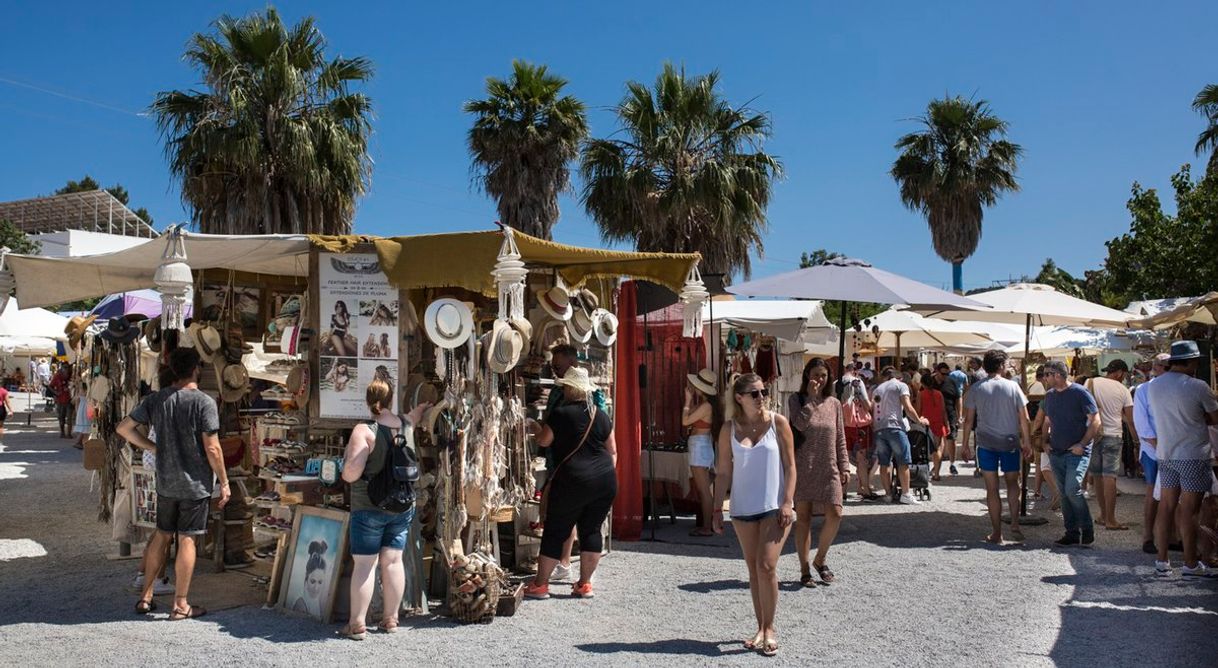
72 243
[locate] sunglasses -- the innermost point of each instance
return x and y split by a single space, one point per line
757 394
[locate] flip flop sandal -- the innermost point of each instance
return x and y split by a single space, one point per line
194 612
825 574
388 626
769 647
351 634
807 580
145 607
751 643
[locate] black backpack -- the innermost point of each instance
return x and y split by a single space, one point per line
392 488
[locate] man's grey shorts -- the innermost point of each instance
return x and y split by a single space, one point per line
1106 456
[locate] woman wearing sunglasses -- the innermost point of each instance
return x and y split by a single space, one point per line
757 462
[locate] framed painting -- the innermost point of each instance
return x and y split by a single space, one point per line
313 569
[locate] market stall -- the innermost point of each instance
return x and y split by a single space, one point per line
293 328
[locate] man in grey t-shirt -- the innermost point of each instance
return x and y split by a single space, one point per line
1002 434
1181 406
188 455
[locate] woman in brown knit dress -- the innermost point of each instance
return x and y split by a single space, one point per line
823 466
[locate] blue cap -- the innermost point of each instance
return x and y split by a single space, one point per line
1184 350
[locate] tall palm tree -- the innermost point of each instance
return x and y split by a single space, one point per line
277 142
688 175
1206 104
524 137
956 166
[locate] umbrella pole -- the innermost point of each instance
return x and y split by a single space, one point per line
1023 383
841 346
898 360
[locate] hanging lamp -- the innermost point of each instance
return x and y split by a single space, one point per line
173 280
510 274
692 296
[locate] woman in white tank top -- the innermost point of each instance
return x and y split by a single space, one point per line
756 460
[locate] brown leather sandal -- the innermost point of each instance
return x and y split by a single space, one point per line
193 612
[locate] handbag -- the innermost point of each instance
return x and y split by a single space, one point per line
545 489
856 415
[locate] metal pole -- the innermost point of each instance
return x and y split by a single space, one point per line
1023 384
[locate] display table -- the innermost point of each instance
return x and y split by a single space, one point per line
669 467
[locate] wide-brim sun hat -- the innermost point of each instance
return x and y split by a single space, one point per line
419 391
1184 350
76 328
579 327
207 341
605 327
504 346
704 381
577 378
152 334
433 414
449 322
526 331
556 302
234 382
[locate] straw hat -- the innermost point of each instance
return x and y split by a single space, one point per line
580 326
577 378
298 383
433 414
120 330
76 328
419 391
589 300
503 346
207 340
526 331
605 327
234 382
704 380
152 334
556 301
449 323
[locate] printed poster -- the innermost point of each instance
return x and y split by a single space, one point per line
359 331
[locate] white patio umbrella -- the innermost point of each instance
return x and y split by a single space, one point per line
849 280
1203 310
900 327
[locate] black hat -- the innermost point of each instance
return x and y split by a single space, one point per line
120 330
1116 365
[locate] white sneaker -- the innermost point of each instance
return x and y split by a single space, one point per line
138 583
1198 571
1163 568
561 573
909 500
163 587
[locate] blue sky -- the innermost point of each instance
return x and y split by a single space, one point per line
1097 93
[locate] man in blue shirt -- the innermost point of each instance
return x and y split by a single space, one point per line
1072 420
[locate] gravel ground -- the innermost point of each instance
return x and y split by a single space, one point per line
916 586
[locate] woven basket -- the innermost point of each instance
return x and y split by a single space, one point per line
466 609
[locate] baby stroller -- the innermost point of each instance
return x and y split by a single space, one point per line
919 469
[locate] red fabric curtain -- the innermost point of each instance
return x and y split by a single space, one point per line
628 507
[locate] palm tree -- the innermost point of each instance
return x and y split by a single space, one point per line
689 174
277 141
1206 104
524 137
956 166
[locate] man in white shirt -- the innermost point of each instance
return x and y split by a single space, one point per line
891 442
1144 422
1116 407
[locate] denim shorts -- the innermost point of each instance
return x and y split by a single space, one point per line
1106 456
991 460
892 445
374 530
702 451
1150 468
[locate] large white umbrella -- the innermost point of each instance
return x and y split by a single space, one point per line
849 280
902 327
1061 340
27 322
1203 310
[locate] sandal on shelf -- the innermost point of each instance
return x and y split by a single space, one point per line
145 607
825 574
193 612
352 633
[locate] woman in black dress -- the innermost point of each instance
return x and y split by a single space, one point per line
340 321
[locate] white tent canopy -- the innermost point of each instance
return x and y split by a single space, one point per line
27 346
904 329
793 320
31 322
1062 341
42 281
1202 310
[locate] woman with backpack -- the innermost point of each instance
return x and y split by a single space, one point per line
381 512
858 417
822 466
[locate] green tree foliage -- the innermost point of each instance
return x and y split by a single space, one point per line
1163 255
1206 104
687 175
277 142
16 240
1060 279
525 135
958 164
117 191
817 258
